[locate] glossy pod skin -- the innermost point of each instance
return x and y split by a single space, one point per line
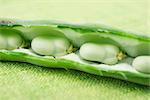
70 45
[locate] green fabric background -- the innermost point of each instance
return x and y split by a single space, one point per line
20 81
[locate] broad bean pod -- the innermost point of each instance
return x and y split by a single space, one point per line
91 48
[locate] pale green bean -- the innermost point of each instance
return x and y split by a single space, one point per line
10 41
105 53
14 41
46 45
142 64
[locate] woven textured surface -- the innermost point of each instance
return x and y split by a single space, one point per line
25 81
20 81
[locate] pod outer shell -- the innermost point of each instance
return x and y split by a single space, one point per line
140 78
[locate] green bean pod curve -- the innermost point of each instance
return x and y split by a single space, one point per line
78 35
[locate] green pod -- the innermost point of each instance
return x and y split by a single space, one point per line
30 32
77 35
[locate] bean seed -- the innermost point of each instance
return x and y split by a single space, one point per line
142 64
47 45
14 41
105 53
10 41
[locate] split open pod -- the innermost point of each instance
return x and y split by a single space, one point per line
91 48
